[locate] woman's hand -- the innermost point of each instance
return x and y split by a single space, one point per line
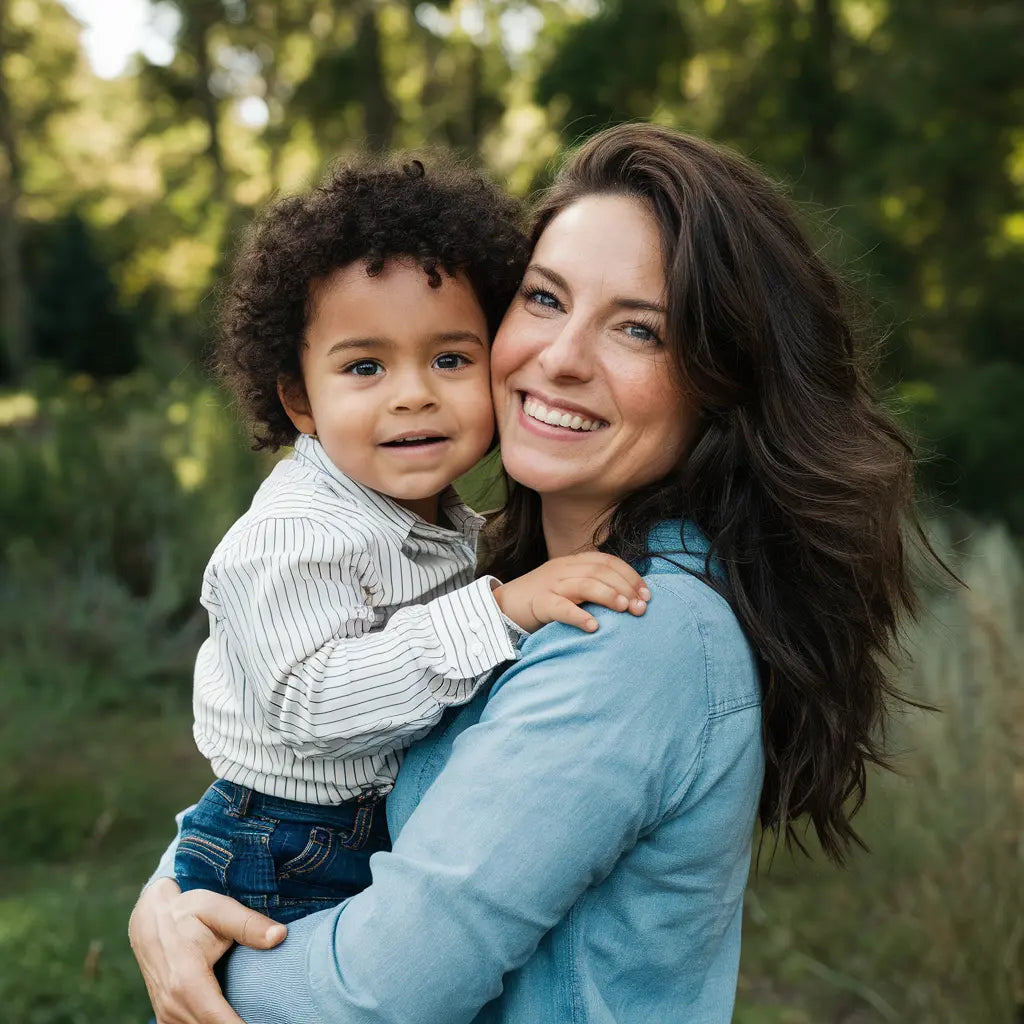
177 938
553 592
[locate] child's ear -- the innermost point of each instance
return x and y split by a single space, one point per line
296 404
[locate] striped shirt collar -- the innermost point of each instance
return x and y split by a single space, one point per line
389 513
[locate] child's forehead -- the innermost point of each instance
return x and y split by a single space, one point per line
378 275
400 305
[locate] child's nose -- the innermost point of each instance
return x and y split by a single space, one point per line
412 393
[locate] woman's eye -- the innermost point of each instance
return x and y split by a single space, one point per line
642 332
364 368
451 361
541 298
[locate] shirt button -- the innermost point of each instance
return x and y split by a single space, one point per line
476 648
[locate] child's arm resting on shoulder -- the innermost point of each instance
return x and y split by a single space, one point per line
553 592
291 601
296 612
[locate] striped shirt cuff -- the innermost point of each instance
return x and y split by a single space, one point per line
516 632
473 631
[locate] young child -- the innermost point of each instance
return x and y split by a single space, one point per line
344 613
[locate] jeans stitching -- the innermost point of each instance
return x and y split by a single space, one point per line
207 852
360 828
297 866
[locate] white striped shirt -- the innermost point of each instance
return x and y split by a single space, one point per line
341 627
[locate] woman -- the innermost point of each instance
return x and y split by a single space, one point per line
575 844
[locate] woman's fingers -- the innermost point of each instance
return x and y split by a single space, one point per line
178 937
230 920
185 1002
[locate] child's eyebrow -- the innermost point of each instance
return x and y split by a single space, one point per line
362 343
443 338
446 337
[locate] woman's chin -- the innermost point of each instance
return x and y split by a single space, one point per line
544 475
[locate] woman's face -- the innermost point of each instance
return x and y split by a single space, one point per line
587 405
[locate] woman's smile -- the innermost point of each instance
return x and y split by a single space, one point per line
562 417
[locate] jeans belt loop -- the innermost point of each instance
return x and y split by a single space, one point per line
240 801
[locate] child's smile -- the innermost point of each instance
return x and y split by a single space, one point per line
396 380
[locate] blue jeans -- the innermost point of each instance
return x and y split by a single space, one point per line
280 857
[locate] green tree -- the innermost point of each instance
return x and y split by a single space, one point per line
626 62
14 323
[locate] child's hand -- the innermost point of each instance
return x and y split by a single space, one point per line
552 592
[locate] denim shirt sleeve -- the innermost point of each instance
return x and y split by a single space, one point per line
585 743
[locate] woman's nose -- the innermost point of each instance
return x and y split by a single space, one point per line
568 353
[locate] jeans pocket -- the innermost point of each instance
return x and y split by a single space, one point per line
313 857
221 792
201 862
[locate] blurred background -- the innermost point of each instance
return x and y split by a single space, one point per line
137 138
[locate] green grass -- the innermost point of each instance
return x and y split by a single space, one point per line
103 789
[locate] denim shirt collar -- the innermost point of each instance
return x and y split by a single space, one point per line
683 543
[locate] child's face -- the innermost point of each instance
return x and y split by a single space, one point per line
389 358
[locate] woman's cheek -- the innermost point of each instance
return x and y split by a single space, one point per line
514 342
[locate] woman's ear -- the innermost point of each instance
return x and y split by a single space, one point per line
296 405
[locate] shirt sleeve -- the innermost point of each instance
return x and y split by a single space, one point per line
291 602
584 743
165 869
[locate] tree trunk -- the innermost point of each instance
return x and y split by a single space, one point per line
475 100
378 110
14 325
200 20
825 109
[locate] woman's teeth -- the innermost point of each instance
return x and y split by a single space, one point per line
538 411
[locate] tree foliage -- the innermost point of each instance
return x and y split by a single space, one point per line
899 124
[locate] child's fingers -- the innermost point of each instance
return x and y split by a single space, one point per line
585 588
631 576
637 601
555 608
613 571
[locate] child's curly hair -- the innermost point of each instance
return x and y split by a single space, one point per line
374 209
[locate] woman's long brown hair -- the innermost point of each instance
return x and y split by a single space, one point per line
802 483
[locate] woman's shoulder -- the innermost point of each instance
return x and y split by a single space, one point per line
686 656
690 617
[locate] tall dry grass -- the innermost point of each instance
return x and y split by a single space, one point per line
929 925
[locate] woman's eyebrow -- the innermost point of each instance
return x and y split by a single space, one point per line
624 303
556 279
654 307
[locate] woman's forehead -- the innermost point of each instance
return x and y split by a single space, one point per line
609 239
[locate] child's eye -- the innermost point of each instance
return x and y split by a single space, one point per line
451 361
364 368
541 297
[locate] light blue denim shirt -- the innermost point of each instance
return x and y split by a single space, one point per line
572 846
